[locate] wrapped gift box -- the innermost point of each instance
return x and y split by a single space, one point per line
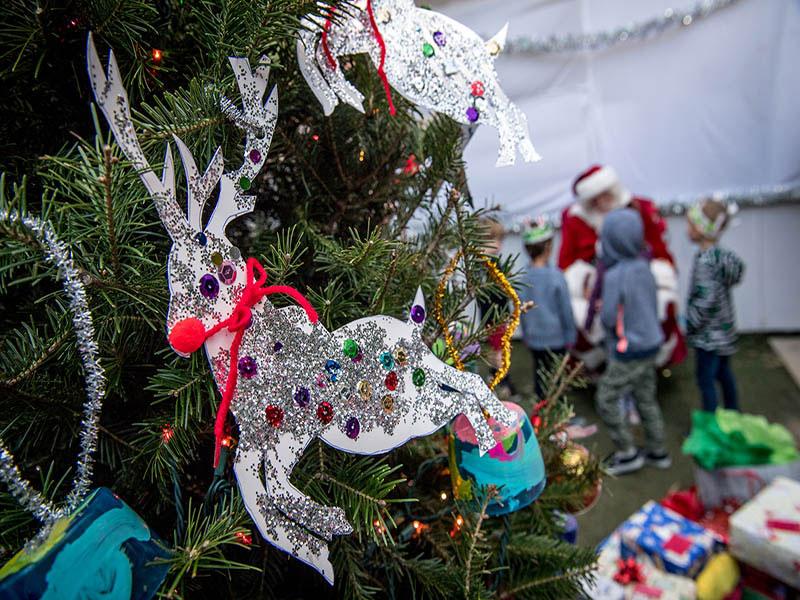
675 544
655 584
765 532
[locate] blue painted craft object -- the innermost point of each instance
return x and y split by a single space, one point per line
514 465
102 550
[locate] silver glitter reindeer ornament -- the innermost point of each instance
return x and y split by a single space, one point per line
432 60
364 388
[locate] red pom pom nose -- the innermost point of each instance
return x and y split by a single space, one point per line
187 336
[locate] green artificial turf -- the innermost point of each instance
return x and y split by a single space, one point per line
765 387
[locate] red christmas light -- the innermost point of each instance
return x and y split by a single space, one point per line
156 54
166 433
244 538
412 166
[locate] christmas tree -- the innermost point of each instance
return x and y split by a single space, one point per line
355 210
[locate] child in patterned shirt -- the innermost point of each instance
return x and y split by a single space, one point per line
710 318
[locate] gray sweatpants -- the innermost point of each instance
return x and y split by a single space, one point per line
639 378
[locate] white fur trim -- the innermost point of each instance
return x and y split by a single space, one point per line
596 183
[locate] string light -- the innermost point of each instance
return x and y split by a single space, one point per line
457 525
244 538
361 154
156 54
443 496
315 137
378 526
167 432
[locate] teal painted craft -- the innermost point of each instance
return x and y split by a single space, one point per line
514 465
102 550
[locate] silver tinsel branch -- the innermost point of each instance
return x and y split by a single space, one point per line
591 42
755 197
58 254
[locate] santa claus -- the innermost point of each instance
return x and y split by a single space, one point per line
599 191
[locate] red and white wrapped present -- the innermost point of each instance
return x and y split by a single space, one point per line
765 532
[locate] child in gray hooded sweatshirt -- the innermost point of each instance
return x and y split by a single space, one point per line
633 336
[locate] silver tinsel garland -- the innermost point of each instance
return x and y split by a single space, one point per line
592 42
58 254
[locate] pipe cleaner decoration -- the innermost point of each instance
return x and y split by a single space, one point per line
508 329
91 545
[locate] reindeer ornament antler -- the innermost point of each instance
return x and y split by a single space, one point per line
432 60
364 388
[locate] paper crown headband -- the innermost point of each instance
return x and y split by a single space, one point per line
710 228
538 234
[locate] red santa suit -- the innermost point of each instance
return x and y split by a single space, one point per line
580 227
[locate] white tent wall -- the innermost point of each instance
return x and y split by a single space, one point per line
712 107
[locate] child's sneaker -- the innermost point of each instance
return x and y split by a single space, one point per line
620 463
659 460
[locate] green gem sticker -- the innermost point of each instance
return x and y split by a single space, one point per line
350 348
427 50
418 377
245 183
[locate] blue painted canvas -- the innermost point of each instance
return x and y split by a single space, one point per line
102 550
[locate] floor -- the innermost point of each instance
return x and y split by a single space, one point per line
765 387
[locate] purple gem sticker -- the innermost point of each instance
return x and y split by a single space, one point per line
440 38
248 367
255 155
472 114
302 396
417 313
227 272
277 347
352 428
209 286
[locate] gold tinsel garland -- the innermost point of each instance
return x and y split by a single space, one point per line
499 277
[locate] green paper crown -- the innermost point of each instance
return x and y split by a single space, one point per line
538 234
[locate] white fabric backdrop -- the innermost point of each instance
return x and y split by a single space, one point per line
709 107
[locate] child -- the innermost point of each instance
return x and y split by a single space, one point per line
710 319
633 336
549 327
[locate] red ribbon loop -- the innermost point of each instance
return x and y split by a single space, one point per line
254 291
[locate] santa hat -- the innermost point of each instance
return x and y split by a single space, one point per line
598 179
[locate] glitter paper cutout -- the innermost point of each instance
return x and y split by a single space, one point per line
276 420
427 57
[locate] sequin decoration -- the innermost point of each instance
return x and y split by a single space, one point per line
477 88
427 57
401 356
245 183
387 402
332 368
227 272
209 286
473 114
391 381
201 238
248 367
302 396
277 347
325 412
255 155
417 313
350 348
387 360
216 259
365 389
274 415
352 428
418 377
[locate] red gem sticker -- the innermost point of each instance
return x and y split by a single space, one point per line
325 412
391 381
274 415
478 89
